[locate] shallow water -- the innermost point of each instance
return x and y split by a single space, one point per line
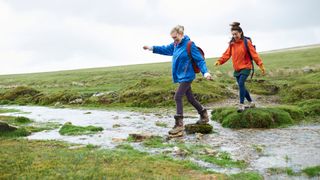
296 147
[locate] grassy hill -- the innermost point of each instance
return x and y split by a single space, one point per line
292 74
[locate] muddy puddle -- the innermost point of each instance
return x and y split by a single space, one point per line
295 147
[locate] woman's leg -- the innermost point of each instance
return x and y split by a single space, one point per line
248 97
193 101
243 93
181 91
204 118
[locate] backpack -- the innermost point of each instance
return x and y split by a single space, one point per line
194 64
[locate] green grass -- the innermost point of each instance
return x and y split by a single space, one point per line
20 132
156 142
312 171
280 170
17 121
54 160
161 124
246 176
223 159
5 110
70 129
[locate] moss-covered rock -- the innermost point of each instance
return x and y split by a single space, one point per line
252 118
198 128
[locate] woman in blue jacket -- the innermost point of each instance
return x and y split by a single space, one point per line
183 73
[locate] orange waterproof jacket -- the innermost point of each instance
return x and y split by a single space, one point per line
240 57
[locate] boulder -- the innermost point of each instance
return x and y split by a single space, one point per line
198 128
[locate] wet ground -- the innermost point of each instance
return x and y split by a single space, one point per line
295 147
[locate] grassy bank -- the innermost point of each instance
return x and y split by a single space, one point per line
51 159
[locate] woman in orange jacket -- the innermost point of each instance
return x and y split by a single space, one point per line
241 60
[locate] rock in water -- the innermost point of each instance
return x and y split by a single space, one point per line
170 136
138 137
198 128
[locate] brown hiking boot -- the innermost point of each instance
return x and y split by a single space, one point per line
178 127
204 117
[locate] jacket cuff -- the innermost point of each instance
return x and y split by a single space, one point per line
206 74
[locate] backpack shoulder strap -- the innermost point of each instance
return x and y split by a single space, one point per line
245 39
189 49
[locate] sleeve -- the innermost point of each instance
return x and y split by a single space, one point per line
254 54
198 59
225 56
164 50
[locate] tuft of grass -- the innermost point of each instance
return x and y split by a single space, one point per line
20 132
312 171
22 120
295 112
156 142
5 110
283 170
246 176
70 129
161 124
310 107
223 159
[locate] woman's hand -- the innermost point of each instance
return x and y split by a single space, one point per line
147 48
262 69
217 63
208 76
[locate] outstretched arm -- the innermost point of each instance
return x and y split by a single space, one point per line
163 50
225 57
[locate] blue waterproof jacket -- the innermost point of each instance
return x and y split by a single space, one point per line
182 70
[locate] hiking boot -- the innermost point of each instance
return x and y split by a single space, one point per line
204 118
178 127
241 108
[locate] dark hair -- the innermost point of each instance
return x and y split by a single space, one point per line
235 26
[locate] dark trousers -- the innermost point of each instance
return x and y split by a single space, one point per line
243 92
185 89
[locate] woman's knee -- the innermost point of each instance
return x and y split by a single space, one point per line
177 97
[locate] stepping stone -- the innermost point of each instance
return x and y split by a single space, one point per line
198 128
170 136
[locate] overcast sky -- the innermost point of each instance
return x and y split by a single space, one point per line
49 35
